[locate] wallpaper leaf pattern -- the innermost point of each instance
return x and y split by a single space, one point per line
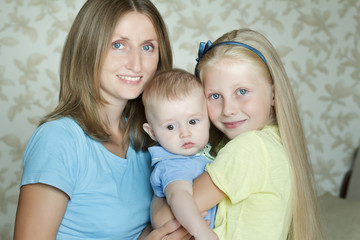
318 41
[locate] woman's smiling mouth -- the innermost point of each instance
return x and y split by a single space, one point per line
128 78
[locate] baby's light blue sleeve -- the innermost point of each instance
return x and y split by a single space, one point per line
168 171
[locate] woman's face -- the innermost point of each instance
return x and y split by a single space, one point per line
131 59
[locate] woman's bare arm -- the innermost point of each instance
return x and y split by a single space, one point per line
40 211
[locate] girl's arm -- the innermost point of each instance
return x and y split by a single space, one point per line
40 211
206 193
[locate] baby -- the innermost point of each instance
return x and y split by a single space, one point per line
175 108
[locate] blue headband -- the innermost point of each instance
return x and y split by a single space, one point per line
205 47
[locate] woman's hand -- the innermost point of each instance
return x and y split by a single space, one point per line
163 221
171 230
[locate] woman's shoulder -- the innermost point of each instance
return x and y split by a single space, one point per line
60 131
63 122
63 125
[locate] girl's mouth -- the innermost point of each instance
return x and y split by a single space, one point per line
233 124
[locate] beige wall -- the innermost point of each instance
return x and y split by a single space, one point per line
318 40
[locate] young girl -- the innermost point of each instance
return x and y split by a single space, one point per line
262 176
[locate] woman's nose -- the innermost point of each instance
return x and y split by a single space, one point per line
134 61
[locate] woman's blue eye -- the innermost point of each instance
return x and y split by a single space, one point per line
148 47
242 91
193 121
171 127
215 96
117 45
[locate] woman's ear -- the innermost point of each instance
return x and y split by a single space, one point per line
147 128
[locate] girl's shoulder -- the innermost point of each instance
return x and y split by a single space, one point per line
255 141
269 132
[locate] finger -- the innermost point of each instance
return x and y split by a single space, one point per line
165 229
203 214
180 233
188 237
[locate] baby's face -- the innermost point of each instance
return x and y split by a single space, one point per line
181 126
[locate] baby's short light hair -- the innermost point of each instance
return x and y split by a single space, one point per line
170 85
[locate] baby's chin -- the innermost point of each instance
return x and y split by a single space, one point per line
186 152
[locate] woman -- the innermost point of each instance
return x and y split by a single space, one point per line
86 175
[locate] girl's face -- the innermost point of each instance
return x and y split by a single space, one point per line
239 97
131 59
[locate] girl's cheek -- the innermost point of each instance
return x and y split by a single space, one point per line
213 113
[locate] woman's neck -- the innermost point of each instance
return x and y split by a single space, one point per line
116 128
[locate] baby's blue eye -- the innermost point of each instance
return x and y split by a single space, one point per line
171 127
242 91
193 121
147 47
117 45
215 96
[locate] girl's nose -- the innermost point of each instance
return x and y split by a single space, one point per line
230 108
134 61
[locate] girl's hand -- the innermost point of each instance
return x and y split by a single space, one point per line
171 230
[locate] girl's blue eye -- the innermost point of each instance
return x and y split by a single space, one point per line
171 127
215 96
242 91
193 121
148 47
117 45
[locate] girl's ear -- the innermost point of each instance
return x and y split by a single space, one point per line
147 128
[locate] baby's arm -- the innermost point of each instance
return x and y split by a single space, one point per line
179 197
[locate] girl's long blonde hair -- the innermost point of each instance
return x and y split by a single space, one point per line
82 58
305 223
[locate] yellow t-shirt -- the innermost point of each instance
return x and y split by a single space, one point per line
253 171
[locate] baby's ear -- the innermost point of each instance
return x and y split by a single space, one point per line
147 128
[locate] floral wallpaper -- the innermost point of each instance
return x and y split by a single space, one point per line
318 41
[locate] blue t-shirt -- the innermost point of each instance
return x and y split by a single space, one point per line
169 167
109 196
